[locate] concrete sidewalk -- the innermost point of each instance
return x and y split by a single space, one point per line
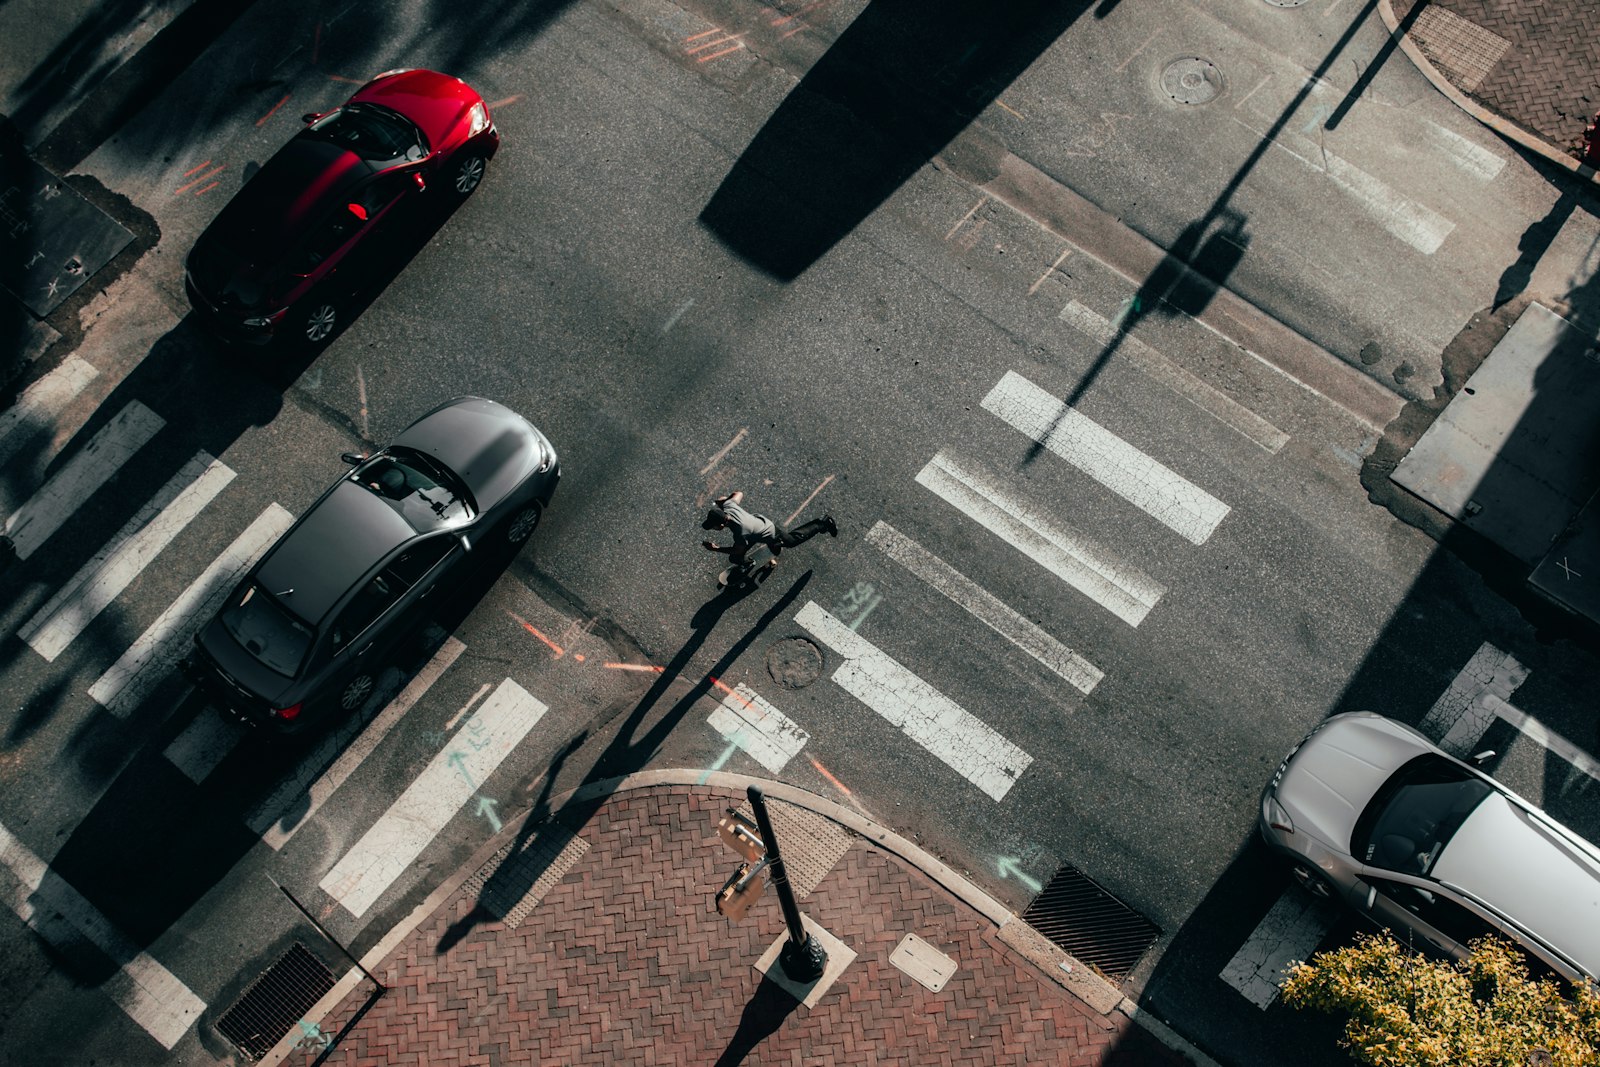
592 938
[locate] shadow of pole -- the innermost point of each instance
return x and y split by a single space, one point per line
763 1016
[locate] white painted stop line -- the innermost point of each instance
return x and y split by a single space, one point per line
151 995
1165 495
433 798
931 719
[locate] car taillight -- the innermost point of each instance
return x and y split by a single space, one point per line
478 119
287 714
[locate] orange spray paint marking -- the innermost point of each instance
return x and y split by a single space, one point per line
209 174
347 81
262 120
647 668
718 458
578 656
1013 110
808 500
718 55
202 166
528 626
507 102
970 212
204 189
316 43
799 14
840 786
718 683
696 37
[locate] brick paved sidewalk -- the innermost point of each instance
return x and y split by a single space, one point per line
1534 62
625 961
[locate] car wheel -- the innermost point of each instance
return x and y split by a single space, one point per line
466 173
1313 881
356 692
316 320
521 525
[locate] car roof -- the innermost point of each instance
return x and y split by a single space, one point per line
287 195
344 535
1543 878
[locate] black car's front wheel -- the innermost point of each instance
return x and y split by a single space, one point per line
466 172
521 525
356 692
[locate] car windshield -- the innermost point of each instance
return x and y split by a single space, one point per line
371 132
267 631
1411 819
425 494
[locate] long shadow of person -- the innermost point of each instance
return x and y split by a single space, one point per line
763 1016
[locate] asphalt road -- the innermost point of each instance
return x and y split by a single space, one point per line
767 264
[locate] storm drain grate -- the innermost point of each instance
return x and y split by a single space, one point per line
276 1001
1091 924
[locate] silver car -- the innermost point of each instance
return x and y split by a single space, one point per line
1370 812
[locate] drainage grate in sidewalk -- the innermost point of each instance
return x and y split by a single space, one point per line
276 1001
1091 924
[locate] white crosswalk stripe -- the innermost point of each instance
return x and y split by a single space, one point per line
33 523
31 416
433 798
125 556
986 608
1087 567
151 995
750 721
931 719
1175 501
120 689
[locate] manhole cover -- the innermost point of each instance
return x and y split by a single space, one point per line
1191 80
794 662
1287 3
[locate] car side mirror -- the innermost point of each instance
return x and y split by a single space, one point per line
1483 757
352 458
310 116
416 176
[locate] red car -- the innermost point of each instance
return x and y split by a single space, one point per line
280 259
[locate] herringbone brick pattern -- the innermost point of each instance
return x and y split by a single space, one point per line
625 961
1548 79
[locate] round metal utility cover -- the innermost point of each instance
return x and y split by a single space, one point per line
794 662
1287 3
1191 80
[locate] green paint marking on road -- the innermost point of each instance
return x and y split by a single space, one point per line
459 762
1009 867
1131 306
727 754
486 809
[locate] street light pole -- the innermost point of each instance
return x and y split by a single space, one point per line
803 958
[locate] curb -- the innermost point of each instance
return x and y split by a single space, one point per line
1506 128
1061 968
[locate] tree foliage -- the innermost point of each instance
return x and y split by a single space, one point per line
1405 1010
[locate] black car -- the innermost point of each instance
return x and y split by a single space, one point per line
305 632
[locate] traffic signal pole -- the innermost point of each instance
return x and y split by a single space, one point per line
803 958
